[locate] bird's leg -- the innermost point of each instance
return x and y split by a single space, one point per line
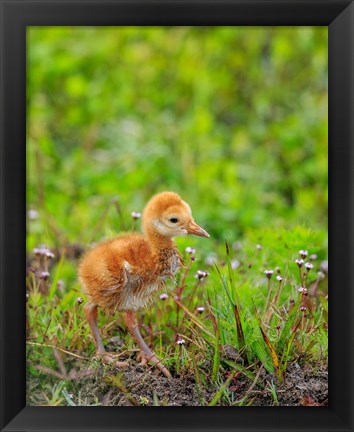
147 354
91 315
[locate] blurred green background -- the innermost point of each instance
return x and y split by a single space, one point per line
232 118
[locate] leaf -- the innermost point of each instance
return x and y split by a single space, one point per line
284 335
116 380
224 284
285 357
240 335
272 353
221 389
240 368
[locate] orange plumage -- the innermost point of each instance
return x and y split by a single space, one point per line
123 274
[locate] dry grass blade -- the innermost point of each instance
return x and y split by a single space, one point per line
49 371
74 374
270 310
273 353
255 381
71 376
250 375
194 318
221 389
60 362
60 349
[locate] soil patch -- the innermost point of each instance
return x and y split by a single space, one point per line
138 386
303 386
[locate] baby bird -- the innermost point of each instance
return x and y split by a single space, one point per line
123 274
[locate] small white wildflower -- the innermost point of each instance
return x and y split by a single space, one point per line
201 274
44 275
301 289
70 395
259 247
279 278
79 300
180 342
235 264
200 309
313 257
42 250
163 296
50 255
190 250
299 262
303 253
135 215
309 266
303 309
32 214
268 273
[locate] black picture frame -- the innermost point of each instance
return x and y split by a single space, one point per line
338 15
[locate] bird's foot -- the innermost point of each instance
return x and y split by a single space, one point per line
143 360
111 358
153 359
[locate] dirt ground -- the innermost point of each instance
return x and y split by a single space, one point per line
137 386
146 388
305 385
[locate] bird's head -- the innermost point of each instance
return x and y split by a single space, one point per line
167 215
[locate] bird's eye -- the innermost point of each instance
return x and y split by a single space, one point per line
173 220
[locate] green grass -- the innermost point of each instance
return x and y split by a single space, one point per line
235 313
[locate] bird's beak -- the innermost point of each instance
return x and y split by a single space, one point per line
195 229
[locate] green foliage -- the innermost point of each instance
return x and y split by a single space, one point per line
233 118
